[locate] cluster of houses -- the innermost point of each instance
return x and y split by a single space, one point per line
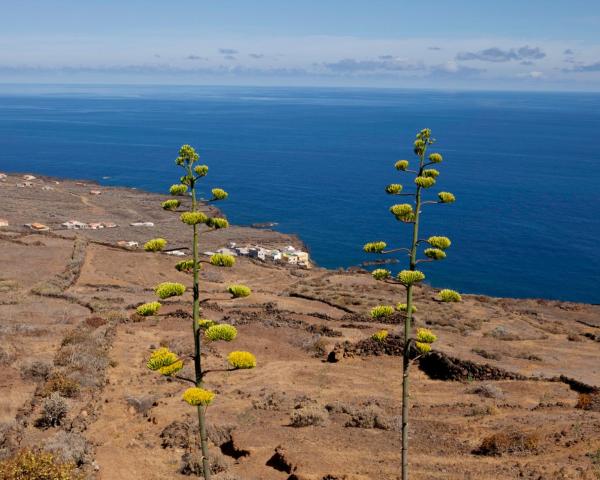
289 255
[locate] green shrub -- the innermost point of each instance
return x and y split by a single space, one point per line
448 295
147 309
169 289
171 204
155 245
239 291
382 311
222 260
204 323
37 465
401 307
223 332
241 360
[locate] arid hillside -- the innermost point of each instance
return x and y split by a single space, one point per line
511 390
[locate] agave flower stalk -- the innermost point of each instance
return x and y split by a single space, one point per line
410 213
163 360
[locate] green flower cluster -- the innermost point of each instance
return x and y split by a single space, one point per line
201 170
169 289
374 247
410 277
155 245
223 332
239 291
205 324
222 260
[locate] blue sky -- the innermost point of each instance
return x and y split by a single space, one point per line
508 44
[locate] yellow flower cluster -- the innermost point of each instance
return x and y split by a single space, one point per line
382 311
239 291
446 197
241 360
380 335
201 170
164 361
401 165
425 182
393 188
185 265
381 274
178 189
435 253
402 307
431 172
193 218
439 242
447 295
148 309
223 332
410 277
155 245
217 223
435 158
222 260
403 212
219 194
205 324
169 289
425 338
374 247
198 396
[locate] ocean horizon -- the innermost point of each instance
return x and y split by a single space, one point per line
524 166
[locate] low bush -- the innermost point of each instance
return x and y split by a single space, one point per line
508 442
54 410
37 465
369 416
488 390
148 309
222 260
241 360
58 382
169 289
36 371
70 447
589 401
239 291
155 245
185 266
307 416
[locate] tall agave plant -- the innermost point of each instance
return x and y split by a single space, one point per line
415 343
165 361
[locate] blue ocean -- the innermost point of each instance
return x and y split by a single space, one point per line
525 168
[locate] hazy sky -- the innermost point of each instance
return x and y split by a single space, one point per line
484 44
